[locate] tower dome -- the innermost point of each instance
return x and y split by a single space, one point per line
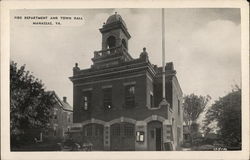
114 33
115 18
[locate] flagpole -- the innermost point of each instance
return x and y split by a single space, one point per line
164 102
163 56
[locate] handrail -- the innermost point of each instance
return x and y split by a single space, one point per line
109 51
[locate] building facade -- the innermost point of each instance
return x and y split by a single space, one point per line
116 100
62 118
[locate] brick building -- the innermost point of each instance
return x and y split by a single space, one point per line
116 100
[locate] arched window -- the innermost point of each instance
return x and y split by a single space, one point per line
124 43
111 42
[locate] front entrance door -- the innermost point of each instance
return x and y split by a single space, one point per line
154 136
122 137
158 139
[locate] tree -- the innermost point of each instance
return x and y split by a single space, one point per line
193 106
30 105
226 113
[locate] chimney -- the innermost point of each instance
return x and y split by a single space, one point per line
65 99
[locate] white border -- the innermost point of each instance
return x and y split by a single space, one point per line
5 50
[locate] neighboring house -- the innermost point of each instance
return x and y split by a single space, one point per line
116 100
62 118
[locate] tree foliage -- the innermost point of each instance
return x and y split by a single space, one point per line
30 105
193 106
226 112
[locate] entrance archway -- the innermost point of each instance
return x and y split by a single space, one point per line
155 135
122 137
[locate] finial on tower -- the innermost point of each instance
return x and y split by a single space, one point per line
76 68
144 54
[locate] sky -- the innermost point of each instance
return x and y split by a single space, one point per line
204 45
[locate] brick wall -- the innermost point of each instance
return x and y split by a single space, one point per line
178 117
143 87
